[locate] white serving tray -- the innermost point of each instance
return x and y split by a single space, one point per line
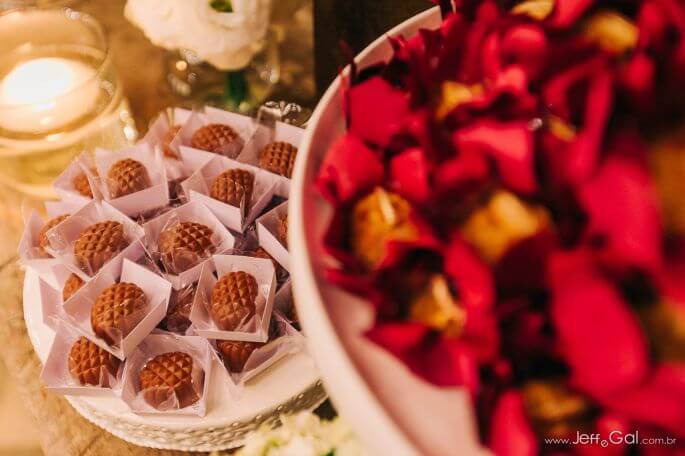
290 385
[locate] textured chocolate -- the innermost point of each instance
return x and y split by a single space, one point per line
92 365
278 157
177 319
166 381
43 241
283 230
234 300
117 310
259 252
166 142
127 176
233 187
184 245
82 186
98 244
71 286
236 353
218 138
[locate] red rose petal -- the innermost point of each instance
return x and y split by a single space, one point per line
509 144
349 169
600 337
410 173
377 110
511 434
470 274
567 12
440 361
623 209
660 401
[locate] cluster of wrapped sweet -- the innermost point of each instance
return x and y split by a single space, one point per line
163 257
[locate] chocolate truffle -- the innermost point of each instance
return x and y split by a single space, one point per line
92 365
177 318
71 286
98 244
166 141
233 187
233 300
184 245
278 157
283 230
127 176
166 381
117 310
218 138
43 241
82 186
236 353
259 252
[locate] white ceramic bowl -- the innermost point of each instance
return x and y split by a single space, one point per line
289 386
392 410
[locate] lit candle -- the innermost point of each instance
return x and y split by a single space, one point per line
36 94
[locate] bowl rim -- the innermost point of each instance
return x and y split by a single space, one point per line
374 425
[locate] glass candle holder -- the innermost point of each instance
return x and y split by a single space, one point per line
59 96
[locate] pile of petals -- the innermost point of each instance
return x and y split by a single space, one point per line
508 197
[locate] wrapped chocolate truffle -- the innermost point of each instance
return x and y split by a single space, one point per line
92 365
167 381
167 373
234 187
71 286
279 158
233 300
117 310
98 244
82 185
184 245
166 146
218 138
236 353
43 241
127 176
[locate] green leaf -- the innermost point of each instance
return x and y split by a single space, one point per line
330 453
222 6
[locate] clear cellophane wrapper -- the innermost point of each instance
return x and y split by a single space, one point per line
57 377
165 401
253 328
284 340
143 201
137 325
62 238
64 184
183 267
271 236
198 188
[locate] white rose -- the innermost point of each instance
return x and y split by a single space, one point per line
226 40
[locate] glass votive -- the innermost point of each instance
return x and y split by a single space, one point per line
59 96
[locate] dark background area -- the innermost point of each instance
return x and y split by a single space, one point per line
357 22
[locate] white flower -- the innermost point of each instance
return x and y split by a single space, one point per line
303 434
226 40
